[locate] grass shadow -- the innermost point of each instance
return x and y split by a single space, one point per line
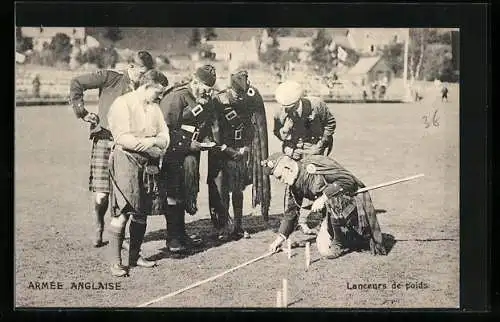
205 230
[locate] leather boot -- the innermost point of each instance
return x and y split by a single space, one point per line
175 244
137 231
186 240
337 247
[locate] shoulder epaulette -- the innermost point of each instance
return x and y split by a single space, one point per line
311 168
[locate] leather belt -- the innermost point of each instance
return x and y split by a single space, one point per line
191 129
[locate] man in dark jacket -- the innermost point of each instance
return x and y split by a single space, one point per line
189 113
111 84
349 221
242 145
305 125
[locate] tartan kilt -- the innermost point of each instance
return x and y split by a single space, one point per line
236 175
99 166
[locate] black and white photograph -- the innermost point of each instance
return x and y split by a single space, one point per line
263 167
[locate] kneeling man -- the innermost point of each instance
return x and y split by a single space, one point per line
350 221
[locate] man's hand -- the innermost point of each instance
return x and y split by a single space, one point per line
91 118
297 154
154 152
145 144
195 146
233 153
319 203
287 126
276 244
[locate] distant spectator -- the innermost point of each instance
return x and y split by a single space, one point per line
444 93
36 86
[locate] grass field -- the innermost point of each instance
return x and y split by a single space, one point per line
378 143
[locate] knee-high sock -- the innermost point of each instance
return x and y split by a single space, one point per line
137 229
237 200
117 234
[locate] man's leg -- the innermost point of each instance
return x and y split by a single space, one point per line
237 200
101 202
220 203
175 210
304 214
117 234
330 241
137 229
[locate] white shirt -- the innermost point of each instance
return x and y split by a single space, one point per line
128 115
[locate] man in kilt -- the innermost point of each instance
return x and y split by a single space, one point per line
242 145
306 126
111 84
189 113
350 221
141 139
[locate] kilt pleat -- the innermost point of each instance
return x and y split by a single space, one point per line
99 166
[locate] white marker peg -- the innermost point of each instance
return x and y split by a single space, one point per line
289 248
308 255
285 293
279 301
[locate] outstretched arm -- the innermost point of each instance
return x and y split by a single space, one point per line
80 84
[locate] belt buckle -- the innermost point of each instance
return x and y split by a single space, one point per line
197 110
231 115
195 136
237 134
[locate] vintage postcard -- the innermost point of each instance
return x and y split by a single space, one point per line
237 167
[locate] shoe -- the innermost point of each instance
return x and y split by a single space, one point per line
238 234
118 270
336 250
175 246
98 240
307 231
141 262
191 241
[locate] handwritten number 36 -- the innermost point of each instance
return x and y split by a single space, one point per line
434 122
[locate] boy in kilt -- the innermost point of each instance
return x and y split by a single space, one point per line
241 147
189 113
111 84
141 139
350 221
306 126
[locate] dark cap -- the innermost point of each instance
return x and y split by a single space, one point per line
153 76
272 161
206 74
144 58
239 82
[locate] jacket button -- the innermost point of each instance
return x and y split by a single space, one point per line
183 136
180 143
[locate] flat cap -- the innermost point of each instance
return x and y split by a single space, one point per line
206 74
144 58
288 93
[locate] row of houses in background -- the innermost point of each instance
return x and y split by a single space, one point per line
358 46
44 35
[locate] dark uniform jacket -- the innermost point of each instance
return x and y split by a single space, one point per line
180 108
111 85
235 119
320 175
187 121
315 123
